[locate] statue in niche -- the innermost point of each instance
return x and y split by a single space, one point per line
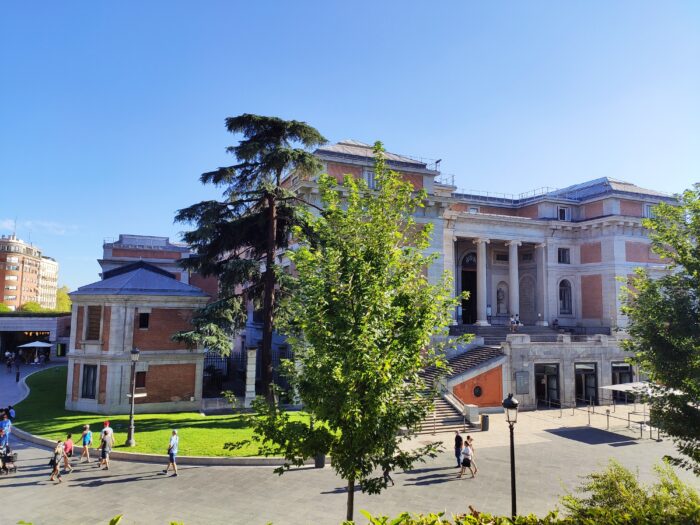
500 301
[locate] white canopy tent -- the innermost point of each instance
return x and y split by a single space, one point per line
36 345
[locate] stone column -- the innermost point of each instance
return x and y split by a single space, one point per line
481 299
542 288
250 377
513 278
448 243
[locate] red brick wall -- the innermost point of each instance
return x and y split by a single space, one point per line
592 296
210 284
532 212
168 382
163 323
592 210
102 386
145 254
75 387
338 170
414 178
638 252
498 211
79 328
491 383
106 321
631 208
590 252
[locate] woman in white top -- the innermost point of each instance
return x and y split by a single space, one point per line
467 455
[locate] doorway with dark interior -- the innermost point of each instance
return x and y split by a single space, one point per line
469 286
547 385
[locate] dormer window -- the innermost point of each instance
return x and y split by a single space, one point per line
564 213
473 210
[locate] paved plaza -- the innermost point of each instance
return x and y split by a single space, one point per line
551 454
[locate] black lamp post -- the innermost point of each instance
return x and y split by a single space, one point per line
510 405
130 442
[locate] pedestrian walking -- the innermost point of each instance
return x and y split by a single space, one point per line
517 322
55 462
470 442
466 460
68 449
172 453
458 448
512 324
386 473
5 423
106 444
86 439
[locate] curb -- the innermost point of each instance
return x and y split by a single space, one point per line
155 458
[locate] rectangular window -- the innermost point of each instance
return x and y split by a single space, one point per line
13 259
89 381
140 380
368 175
10 277
564 256
12 267
649 211
143 321
10 287
94 319
564 213
10 298
527 257
473 209
501 256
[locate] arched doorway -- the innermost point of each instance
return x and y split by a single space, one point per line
469 285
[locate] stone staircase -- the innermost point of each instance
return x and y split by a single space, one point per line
443 418
495 335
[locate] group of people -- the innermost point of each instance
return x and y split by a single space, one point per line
464 452
515 323
63 451
7 416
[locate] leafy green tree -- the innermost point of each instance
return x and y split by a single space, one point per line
664 324
4 308
63 302
32 306
237 237
360 321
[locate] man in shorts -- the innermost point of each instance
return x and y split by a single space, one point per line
172 453
106 444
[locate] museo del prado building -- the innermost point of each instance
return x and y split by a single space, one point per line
556 258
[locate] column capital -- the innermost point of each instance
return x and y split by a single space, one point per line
481 240
514 242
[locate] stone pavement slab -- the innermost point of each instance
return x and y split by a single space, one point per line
550 457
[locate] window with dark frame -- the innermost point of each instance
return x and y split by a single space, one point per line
140 379
564 256
144 319
92 327
89 381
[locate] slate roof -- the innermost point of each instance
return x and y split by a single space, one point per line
140 278
601 186
348 149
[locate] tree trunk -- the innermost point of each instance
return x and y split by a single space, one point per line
351 499
269 299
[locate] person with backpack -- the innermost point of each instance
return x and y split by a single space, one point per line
86 438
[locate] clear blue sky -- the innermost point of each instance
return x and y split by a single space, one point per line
109 111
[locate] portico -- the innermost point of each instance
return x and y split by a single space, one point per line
502 277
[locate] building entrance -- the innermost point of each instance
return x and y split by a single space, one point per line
622 373
547 385
469 285
586 383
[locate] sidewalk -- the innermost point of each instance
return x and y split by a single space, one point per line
12 392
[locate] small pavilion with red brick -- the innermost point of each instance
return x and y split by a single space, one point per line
138 305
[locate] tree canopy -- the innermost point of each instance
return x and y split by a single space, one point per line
237 239
360 321
63 302
664 324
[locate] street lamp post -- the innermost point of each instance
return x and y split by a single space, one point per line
510 405
130 442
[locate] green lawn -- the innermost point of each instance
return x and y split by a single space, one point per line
42 414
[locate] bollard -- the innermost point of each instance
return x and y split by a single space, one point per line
607 415
590 400
629 421
589 415
641 429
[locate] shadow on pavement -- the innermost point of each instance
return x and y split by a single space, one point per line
592 436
